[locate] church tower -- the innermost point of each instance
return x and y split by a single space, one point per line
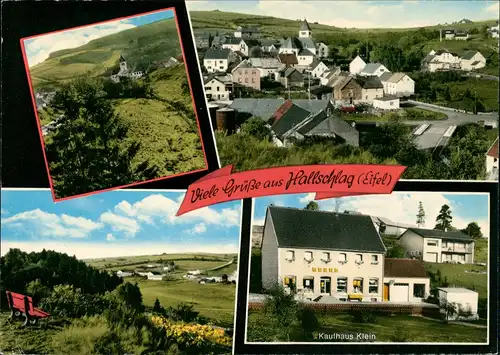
305 30
123 65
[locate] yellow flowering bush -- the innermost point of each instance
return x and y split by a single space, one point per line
194 335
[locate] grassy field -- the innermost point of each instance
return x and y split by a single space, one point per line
399 328
140 46
215 301
458 277
486 90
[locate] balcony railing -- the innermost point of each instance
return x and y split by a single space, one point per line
453 249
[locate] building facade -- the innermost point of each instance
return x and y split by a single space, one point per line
247 76
216 60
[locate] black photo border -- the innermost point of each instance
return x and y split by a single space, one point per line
240 347
23 163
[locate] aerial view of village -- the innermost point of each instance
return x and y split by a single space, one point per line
347 270
344 82
114 103
116 273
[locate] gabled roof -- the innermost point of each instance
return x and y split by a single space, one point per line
493 151
233 41
337 126
288 58
287 116
305 26
265 62
301 228
371 68
306 42
306 53
369 82
385 76
290 42
265 108
268 42
122 59
469 55
396 77
213 53
439 234
407 268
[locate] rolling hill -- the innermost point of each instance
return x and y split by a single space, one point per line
140 46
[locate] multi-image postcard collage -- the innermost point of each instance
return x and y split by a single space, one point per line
249 177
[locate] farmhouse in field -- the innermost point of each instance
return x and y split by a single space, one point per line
443 60
492 162
472 60
437 246
125 72
336 256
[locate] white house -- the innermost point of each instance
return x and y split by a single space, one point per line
266 66
371 69
317 68
194 272
405 280
218 88
493 31
472 60
437 246
322 50
465 300
216 60
155 276
492 162
397 84
123 273
386 103
305 58
461 36
441 60
236 45
328 77
356 65
447 34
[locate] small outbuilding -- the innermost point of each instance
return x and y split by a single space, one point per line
465 299
386 103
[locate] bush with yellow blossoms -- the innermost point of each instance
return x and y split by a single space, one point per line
195 336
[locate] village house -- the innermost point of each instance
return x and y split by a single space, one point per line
296 44
492 162
266 66
437 246
462 36
290 77
356 65
466 301
236 45
203 41
322 50
305 58
292 122
397 84
387 227
317 68
218 87
493 31
333 77
388 102
155 276
270 46
472 60
125 72
371 69
216 60
246 75
124 273
247 32
447 34
441 60
360 89
337 256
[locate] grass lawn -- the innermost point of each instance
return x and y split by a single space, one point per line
481 247
399 328
489 71
215 301
457 277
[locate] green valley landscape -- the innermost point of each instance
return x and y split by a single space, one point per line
139 78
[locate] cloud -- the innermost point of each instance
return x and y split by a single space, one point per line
39 48
110 238
403 208
163 208
198 229
493 8
110 250
51 225
120 224
307 198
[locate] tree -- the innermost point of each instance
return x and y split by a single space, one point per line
308 322
449 309
281 308
255 127
444 218
157 307
130 294
224 278
312 205
473 230
420 215
397 251
86 152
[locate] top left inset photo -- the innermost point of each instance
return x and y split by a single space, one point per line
114 103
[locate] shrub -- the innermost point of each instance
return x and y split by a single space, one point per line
67 301
308 321
183 312
400 335
363 316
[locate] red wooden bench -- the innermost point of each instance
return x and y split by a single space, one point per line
21 305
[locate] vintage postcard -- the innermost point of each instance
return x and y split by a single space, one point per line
114 104
413 83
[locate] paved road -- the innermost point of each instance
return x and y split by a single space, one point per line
454 118
481 76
